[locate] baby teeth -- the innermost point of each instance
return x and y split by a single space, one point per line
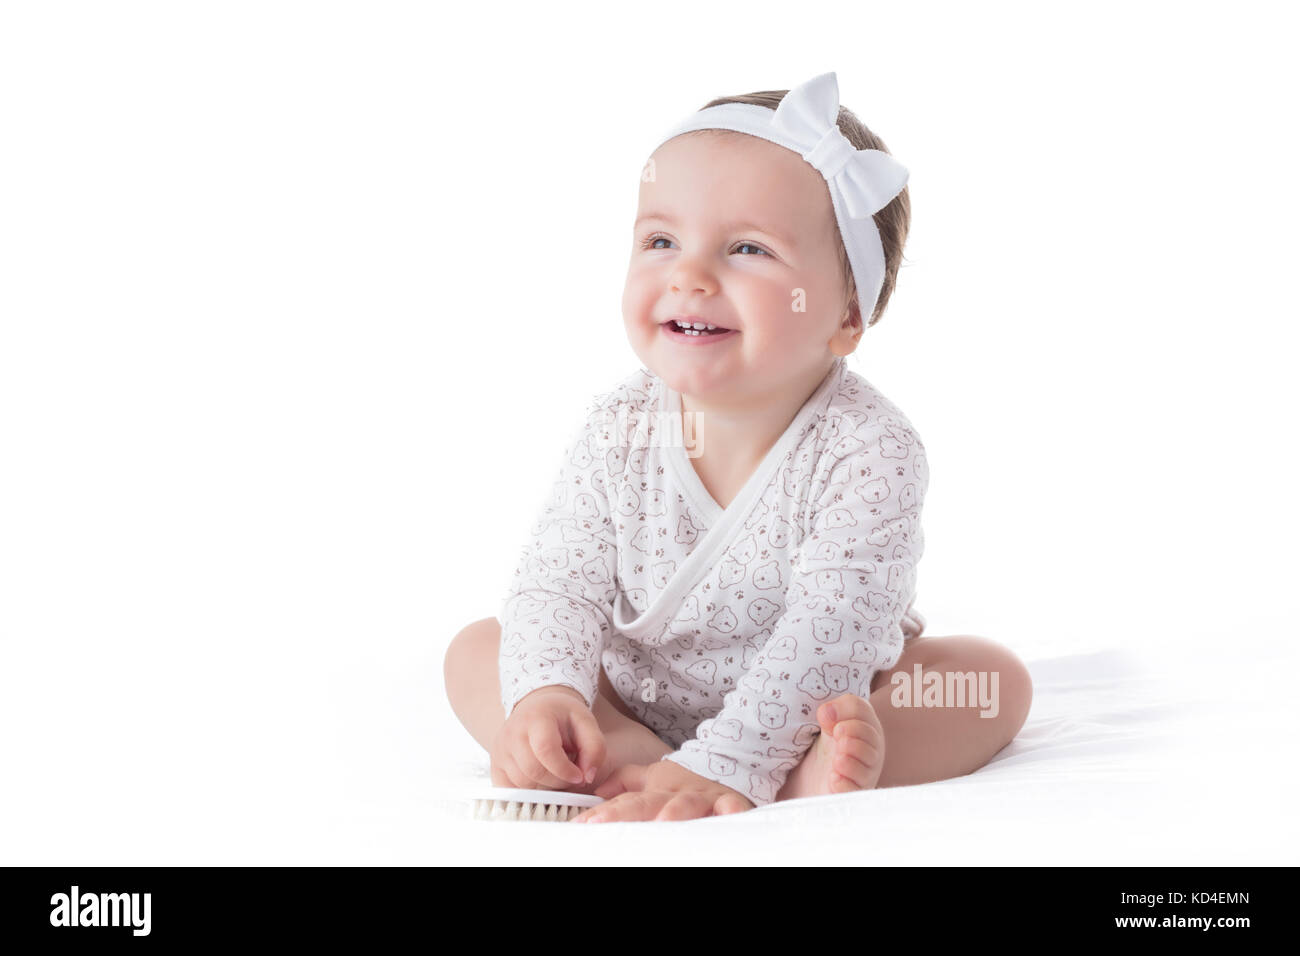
693 328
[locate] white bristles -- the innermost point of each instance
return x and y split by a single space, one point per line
555 806
523 810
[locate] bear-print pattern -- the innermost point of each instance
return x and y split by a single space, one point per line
846 613
810 598
556 617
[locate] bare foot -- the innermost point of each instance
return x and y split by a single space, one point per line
847 755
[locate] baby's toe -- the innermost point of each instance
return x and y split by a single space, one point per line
851 707
852 774
859 741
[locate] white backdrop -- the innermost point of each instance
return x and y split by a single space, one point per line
298 302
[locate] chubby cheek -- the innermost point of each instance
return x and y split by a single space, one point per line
775 319
638 305
634 318
801 317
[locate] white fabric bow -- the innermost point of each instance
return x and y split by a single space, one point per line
867 178
861 181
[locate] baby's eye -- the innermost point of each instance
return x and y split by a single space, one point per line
651 242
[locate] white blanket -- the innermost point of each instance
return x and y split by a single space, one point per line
1115 765
1122 761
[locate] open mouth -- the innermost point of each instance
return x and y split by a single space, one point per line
695 330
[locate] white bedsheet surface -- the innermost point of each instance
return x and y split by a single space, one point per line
1120 762
1116 764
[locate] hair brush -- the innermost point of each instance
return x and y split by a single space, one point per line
509 803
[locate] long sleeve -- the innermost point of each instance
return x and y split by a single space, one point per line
557 611
853 578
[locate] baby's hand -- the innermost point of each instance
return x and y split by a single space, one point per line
535 747
662 791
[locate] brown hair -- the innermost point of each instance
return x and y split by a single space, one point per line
893 221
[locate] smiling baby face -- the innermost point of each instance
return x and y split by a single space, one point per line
739 233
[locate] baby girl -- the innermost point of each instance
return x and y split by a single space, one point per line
715 609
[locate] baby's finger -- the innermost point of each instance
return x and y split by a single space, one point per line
586 815
591 744
548 748
499 778
531 772
626 779
686 805
730 803
629 806
507 773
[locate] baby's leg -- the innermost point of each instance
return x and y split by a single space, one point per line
474 691
883 745
924 744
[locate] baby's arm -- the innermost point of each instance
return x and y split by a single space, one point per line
556 613
853 579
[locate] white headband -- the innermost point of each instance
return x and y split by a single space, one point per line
861 181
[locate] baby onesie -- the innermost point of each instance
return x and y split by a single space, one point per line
723 629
